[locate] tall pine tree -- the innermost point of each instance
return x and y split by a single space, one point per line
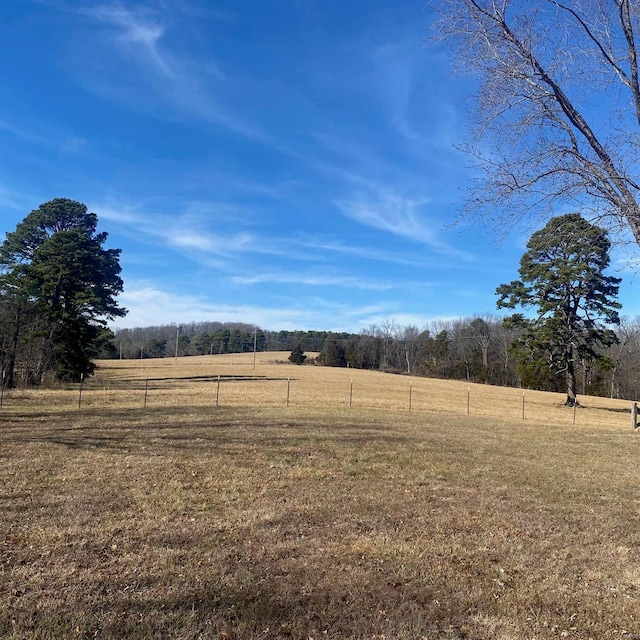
562 277
62 284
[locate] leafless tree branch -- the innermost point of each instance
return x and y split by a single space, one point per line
557 117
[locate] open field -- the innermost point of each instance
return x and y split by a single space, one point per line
193 382
318 520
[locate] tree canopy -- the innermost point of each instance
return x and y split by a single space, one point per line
562 277
297 355
557 114
58 285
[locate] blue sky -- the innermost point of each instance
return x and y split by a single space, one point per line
288 163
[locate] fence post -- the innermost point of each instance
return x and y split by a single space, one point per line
146 388
634 416
351 393
218 391
80 390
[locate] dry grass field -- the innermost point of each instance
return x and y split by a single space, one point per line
256 520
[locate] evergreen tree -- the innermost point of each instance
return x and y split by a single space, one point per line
353 353
261 340
562 276
154 348
297 355
236 342
333 354
200 345
55 270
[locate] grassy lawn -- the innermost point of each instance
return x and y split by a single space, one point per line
187 520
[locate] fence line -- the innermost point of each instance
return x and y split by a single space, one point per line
242 391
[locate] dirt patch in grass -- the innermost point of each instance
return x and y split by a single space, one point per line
197 522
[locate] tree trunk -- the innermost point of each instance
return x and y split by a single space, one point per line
9 374
571 383
45 358
586 370
613 393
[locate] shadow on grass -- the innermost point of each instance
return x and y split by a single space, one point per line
153 430
271 609
260 595
154 383
612 409
214 378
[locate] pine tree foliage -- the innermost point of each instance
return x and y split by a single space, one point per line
562 277
61 284
333 354
297 355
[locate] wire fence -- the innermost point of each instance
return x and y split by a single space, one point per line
316 387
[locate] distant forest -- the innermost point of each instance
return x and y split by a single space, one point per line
209 338
476 349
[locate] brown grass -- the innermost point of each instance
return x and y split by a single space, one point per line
254 520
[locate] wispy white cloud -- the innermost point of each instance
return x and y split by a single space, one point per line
34 134
400 216
74 144
208 242
341 156
19 201
24 134
187 233
395 73
313 280
415 87
217 235
149 60
374 254
136 33
124 214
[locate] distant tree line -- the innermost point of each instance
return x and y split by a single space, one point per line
489 350
479 349
209 338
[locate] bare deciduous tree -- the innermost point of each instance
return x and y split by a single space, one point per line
557 115
624 358
408 337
